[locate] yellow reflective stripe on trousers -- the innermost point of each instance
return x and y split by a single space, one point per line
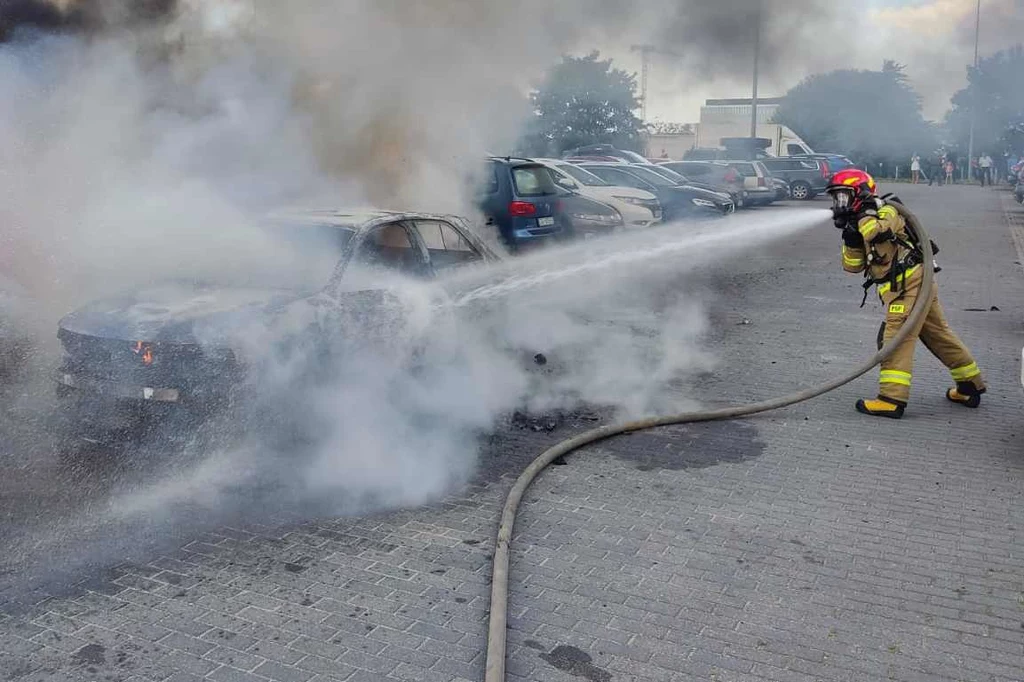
884 287
965 372
894 376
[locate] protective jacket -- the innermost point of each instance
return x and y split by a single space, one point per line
886 256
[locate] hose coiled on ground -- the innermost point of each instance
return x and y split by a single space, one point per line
497 627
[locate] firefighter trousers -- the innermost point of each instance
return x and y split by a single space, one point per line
896 373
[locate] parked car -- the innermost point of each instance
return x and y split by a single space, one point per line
718 175
637 207
704 154
604 152
519 198
677 202
170 351
681 179
781 188
833 163
805 177
760 191
588 217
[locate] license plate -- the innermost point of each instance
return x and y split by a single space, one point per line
545 222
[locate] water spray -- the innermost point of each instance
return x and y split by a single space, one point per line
498 623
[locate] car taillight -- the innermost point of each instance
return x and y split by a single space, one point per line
521 208
825 170
762 181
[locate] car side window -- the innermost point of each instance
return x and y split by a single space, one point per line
389 247
446 246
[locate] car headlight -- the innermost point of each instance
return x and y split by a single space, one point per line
599 218
704 202
636 201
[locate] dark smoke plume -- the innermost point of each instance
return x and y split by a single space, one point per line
716 38
77 15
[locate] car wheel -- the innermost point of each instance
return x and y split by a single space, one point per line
800 190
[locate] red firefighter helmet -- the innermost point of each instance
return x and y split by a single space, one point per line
849 188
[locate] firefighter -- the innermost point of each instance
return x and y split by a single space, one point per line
877 242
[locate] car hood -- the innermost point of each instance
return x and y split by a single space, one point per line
606 193
700 193
176 314
709 187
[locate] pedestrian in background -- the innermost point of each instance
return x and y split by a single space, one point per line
915 169
948 167
985 166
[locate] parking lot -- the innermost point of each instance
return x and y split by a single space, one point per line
808 544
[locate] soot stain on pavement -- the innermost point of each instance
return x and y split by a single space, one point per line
690 446
575 662
91 654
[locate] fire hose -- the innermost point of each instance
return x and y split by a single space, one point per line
498 624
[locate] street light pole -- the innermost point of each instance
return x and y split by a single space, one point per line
757 51
974 90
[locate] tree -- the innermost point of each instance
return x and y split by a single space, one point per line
584 100
996 88
874 117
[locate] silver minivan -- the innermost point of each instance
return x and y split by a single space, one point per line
760 191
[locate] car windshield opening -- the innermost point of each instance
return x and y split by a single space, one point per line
673 175
584 177
651 177
533 181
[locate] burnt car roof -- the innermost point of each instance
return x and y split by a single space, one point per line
350 218
361 220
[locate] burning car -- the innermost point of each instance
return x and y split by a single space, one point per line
174 348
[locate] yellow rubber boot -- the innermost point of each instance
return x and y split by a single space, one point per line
881 407
965 394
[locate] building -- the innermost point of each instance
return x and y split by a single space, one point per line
672 139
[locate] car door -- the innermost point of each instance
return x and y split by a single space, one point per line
780 168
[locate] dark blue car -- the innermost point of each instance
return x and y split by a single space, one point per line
520 199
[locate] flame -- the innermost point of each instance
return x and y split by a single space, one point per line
145 351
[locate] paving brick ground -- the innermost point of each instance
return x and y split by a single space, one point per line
811 544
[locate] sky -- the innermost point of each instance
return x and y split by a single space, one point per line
933 38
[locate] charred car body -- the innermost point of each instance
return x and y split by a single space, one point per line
174 348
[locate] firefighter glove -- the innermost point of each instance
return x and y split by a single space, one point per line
841 218
852 238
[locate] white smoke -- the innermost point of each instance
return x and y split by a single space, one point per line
131 158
